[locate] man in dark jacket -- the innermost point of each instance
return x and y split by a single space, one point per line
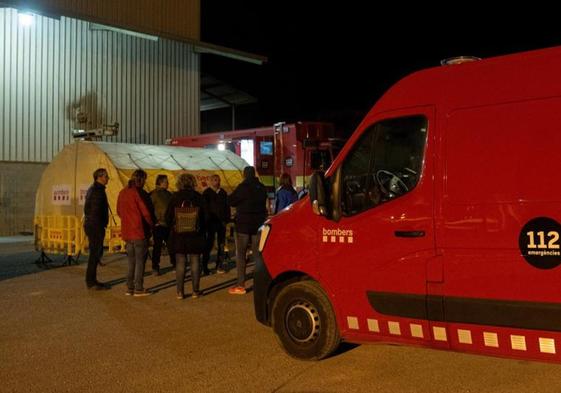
96 212
160 199
250 201
218 216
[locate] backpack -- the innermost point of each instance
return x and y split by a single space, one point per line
187 219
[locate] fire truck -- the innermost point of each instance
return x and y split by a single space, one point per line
296 148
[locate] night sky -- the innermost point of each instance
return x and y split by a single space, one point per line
332 62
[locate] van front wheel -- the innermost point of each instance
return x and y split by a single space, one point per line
304 321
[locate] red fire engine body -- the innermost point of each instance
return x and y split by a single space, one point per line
437 225
296 149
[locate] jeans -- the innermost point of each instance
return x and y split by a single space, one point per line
95 239
161 236
242 240
215 229
181 260
137 252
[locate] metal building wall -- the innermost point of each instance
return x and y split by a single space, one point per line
55 68
175 19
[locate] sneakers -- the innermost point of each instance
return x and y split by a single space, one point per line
195 295
220 271
237 291
180 296
142 292
129 292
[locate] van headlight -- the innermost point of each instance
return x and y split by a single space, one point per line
264 234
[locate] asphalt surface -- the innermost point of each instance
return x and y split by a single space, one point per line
56 336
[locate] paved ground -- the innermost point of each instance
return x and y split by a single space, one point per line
58 337
17 256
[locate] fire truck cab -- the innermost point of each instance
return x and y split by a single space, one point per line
437 225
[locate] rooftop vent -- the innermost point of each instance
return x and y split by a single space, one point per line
459 60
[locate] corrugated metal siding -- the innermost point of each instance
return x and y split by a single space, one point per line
176 19
52 67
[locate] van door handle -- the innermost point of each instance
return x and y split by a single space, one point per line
409 233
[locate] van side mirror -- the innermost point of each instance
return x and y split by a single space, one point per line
336 212
317 194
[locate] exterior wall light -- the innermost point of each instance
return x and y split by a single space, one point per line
25 19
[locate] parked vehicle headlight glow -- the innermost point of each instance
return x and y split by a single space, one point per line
264 230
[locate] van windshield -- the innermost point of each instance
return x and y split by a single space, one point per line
385 163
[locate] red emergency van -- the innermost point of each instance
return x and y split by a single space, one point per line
437 225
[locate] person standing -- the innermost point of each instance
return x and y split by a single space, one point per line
250 201
161 198
286 194
96 212
186 216
145 196
216 201
136 221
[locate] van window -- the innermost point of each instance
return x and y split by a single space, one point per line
385 163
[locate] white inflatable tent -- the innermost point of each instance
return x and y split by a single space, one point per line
60 197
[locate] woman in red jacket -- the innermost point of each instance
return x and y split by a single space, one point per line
136 222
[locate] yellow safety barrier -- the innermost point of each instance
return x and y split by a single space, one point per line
65 235
58 234
113 238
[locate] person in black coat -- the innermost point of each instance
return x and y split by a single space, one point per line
187 245
96 219
250 201
216 200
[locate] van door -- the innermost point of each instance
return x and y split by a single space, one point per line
499 227
375 258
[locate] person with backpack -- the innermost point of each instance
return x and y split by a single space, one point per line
186 216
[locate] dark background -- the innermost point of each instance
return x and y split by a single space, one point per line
331 62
